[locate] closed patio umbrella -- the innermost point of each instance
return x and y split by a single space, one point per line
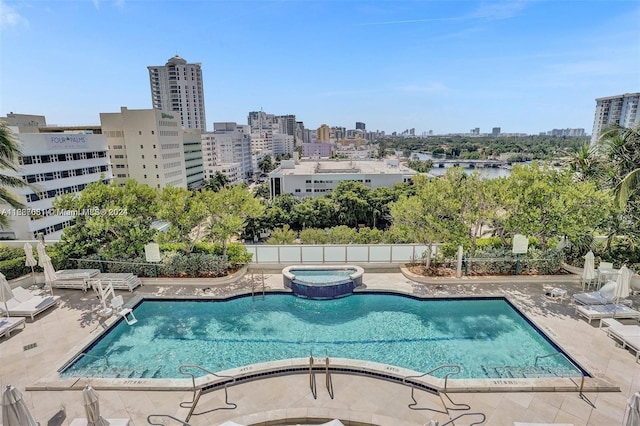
92 407
14 409
624 287
31 261
589 270
632 415
5 292
42 253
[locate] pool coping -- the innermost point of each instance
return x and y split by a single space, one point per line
596 383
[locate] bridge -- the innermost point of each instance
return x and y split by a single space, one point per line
470 164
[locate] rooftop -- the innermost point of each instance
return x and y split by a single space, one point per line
310 167
45 344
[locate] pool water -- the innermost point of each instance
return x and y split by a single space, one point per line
322 276
481 335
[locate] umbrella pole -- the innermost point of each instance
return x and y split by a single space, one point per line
6 309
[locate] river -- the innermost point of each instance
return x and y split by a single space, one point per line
488 173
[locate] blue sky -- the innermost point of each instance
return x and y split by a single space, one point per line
446 66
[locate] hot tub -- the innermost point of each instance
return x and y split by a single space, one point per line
322 281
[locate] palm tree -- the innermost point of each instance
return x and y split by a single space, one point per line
622 146
9 153
585 163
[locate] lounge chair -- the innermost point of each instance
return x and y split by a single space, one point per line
74 278
633 343
9 324
25 304
121 281
623 331
612 310
604 296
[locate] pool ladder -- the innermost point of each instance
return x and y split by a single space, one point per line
327 377
454 406
253 286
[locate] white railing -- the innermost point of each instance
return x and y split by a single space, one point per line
337 253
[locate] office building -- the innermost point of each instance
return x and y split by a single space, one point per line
361 126
316 150
619 110
147 145
316 178
55 163
177 86
193 157
323 133
495 131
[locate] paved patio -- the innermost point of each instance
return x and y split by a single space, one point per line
358 400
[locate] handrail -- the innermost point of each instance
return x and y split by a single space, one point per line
327 376
198 392
312 377
484 418
580 387
456 406
163 424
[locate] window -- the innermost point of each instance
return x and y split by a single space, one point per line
141 146
153 133
140 133
145 176
142 156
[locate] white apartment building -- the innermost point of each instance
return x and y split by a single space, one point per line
177 86
282 144
316 178
64 162
228 149
620 109
146 145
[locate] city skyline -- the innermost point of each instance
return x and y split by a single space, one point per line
449 67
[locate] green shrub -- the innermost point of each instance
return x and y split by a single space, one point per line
542 262
368 236
482 243
177 247
194 265
7 253
14 268
237 255
341 234
313 236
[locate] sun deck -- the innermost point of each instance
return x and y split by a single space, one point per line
359 399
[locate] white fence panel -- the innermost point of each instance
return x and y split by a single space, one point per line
401 253
380 254
335 254
313 254
290 254
357 254
268 254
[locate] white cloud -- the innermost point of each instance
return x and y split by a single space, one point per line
9 17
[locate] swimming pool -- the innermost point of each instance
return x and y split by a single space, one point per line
483 335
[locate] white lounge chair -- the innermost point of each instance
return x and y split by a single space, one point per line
606 311
604 296
633 343
25 304
121 281
9 324
623 331
74 278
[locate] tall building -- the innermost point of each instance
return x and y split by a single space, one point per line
54 163
146 145
360 126
323 133
228 150
621 110
495 131
177 86
193 158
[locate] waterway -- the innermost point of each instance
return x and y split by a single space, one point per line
487 173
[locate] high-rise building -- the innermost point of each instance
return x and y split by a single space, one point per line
323 133
177 86
54 163
360 126
228 150
495 131
146 145
621 110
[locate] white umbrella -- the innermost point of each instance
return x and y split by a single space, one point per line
14 409
624 287
589 271
31 261
5 292
42 253
632 416
49 273
92 407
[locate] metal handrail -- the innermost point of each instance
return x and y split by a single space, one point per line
312 377
198 392
456 406
580 387
484 418
327 376
150 416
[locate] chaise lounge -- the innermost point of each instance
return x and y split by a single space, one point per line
611 310
9 324
25 304
604 296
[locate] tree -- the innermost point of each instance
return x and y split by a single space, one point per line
585 163
266 164
316 212
228 212
352 199
9 153
185 211
217 182
428 217
111 220
284 235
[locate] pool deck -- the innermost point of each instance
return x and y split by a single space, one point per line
358 400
